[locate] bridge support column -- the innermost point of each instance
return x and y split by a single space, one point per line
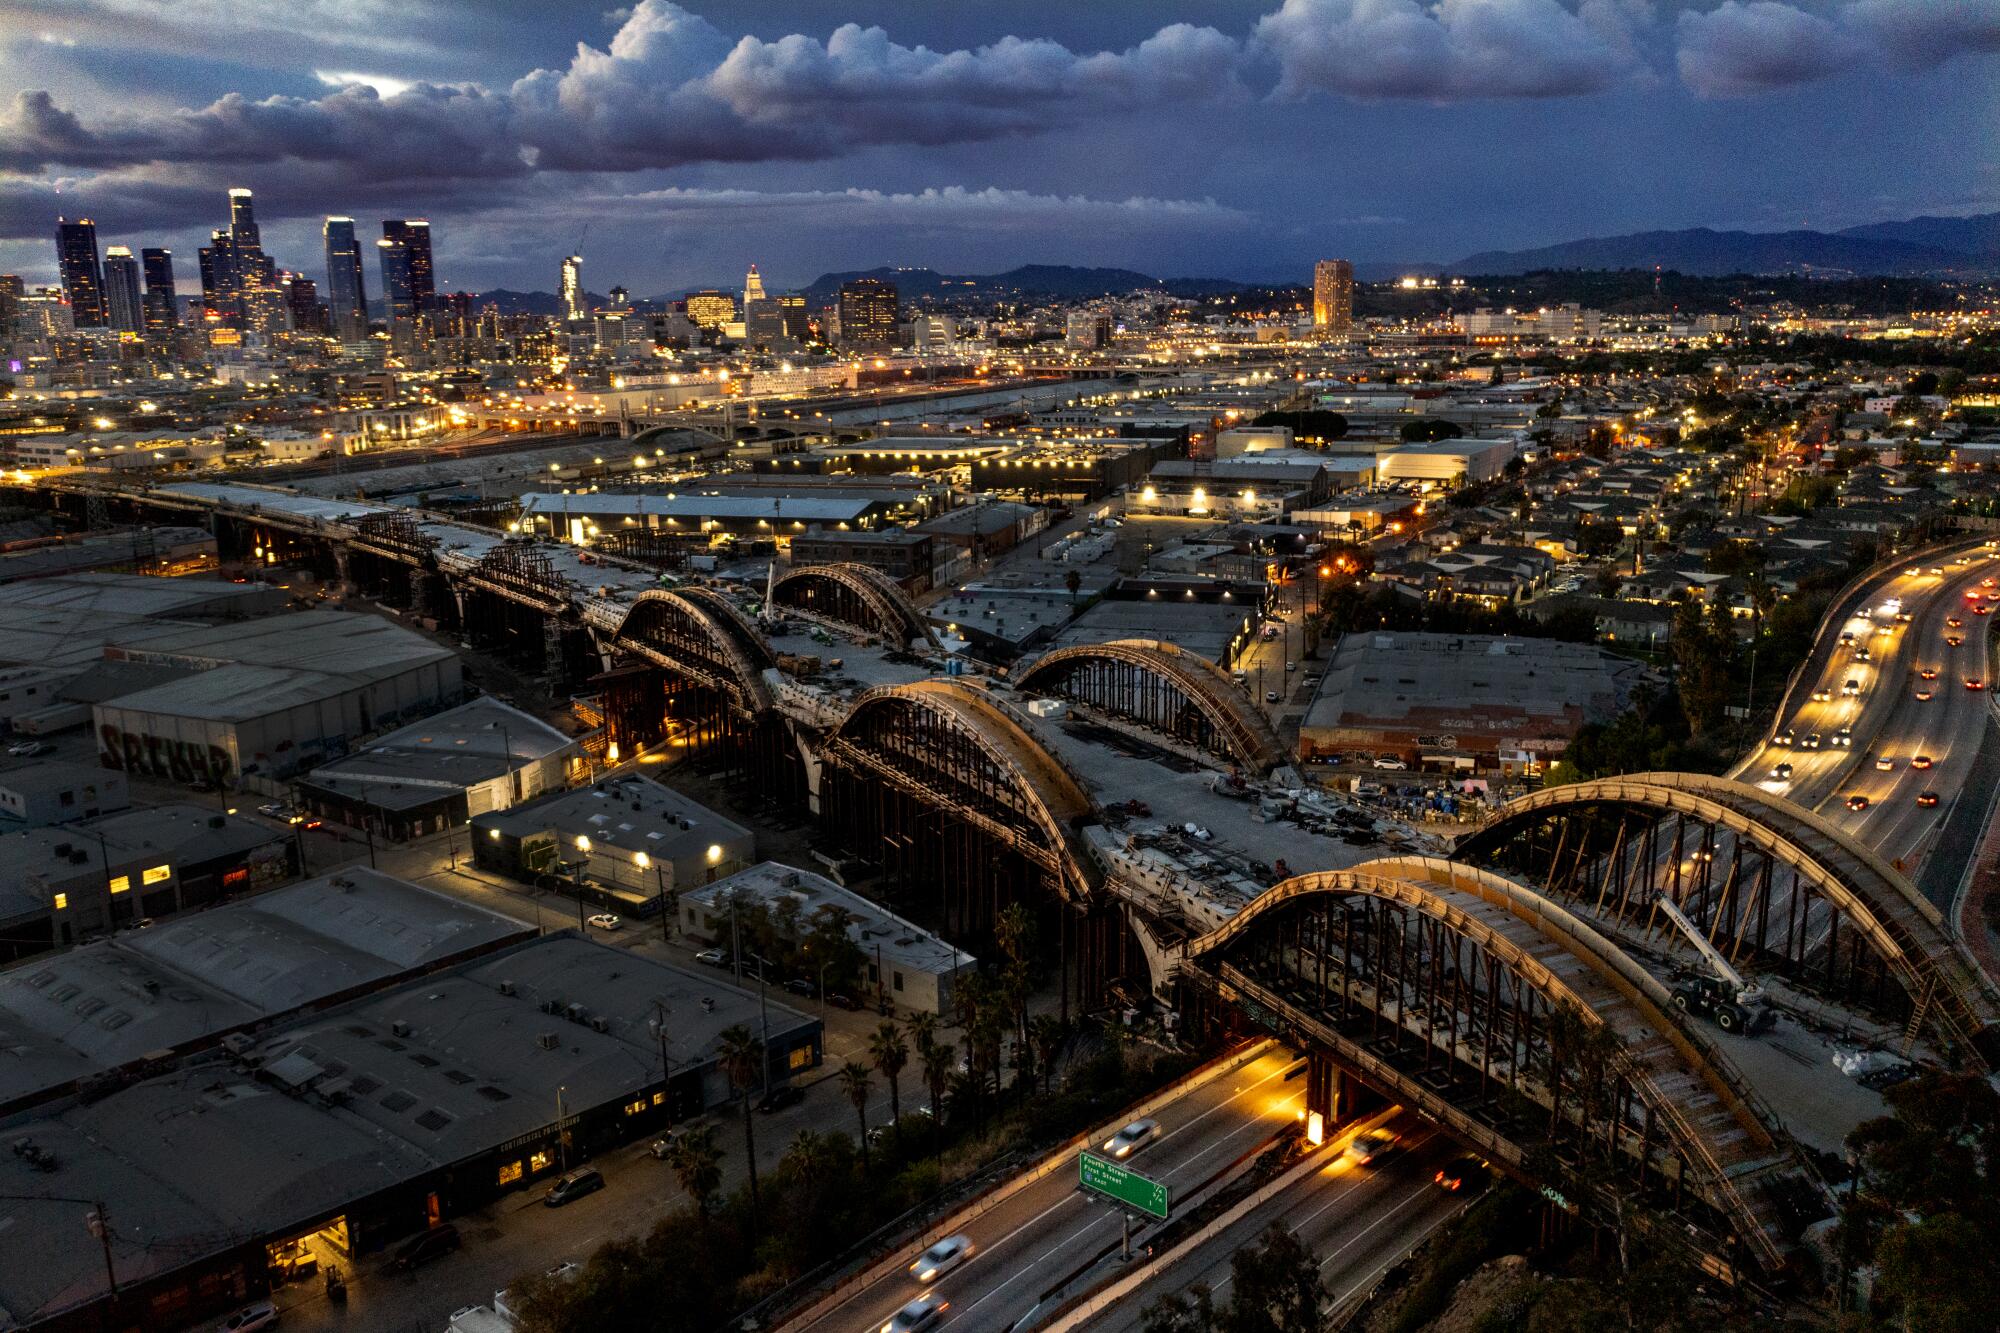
1333 1092
420 593
555 665
340 565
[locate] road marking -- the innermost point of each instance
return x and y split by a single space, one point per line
1380 1268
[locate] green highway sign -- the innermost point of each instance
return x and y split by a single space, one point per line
1117 1184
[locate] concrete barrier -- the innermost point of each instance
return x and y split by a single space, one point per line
1064 1156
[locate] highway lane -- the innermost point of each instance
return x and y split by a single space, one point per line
1888 719
1358 1219
1049 1229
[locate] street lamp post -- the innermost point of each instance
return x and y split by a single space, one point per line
577 869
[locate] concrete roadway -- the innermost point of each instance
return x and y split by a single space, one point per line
1049 1229
1358 1219
1888 720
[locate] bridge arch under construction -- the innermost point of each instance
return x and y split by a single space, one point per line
858 597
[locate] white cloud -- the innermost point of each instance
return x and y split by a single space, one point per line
1744 47
384 85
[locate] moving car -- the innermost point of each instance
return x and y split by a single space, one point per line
919 1314
1461 1173
1390 762
606 921
1811 741
941 1258
1822 695
251 1318
1781 772
1783 738
1954 639
1271 696
420 1249
1857 802
1920 761
274 809
1131 1138
1953 622
1885 763
713 957
1927 798
584 1180
1928 673
1852 689
1924 696
30 749
1371 1147
1843 739
1974 683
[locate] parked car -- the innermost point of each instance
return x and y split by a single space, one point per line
420 1249
606 921
30 749
779 1096
251 1318
274 809
584 1180
800 986
713 957
1131 1138
941 1258
662 1148
1391 763
1271 696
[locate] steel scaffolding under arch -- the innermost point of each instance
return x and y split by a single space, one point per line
1772 885
1468 998
1165 689
697 634
859 596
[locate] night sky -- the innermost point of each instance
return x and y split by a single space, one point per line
1242 139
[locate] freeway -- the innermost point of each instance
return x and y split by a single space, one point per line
1358 1219
1838 738
1048 1229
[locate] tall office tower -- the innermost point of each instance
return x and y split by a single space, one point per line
1333 295
572 287
302 302
455 315
397 301
414 236
122 309
763 323
798 320
753 287
243 221
869 312
162 303
346 292
711 309
223 278
619 297
82 279
12 289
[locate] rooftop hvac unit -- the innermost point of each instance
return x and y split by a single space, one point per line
547 1041
506 988
236 1043
399 1028
577 1013
551 1006
600 1023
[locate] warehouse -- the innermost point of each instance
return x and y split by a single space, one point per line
271 696
1462 702
438 772
1447 463
330 1136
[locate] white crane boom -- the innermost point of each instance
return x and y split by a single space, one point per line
1745 992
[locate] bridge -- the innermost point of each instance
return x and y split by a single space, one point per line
856 598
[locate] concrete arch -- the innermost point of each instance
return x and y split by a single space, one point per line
699 634
864 597
1904 929
1040 791
1685 1088
1237 723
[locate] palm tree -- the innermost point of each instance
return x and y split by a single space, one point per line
1014 931
1046 1032
854 1082
697 1163
1073 580
937 1057
741 1056
890 1054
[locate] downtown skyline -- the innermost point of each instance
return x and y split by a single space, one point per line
690 141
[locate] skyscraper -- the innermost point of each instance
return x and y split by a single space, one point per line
121 291
1333 295
302 303
397 302
346 292
572 287
753 287
162 302
413 237
870 309
221 279
82 279
243 221
12 289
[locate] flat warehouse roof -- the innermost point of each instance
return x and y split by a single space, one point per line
1458 683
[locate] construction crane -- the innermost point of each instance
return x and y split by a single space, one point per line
1725 998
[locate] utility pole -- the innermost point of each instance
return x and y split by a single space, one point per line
99 1223
666 1066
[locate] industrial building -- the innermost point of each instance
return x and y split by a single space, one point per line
438 772
63 883
1448 463
107 1009
907 966
271 697
583 518
627 841
907 557
1462 703
329 1136
45 791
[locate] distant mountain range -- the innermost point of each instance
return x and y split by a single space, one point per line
1914 247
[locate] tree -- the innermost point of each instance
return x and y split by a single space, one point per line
741 1056
1046 1032
854 1082
889 1052
1073 580
937 1057
1429 430
1014 931
696 1160
1275 1287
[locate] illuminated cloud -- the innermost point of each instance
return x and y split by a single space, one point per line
1744 47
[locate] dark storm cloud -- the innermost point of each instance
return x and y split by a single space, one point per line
1740 49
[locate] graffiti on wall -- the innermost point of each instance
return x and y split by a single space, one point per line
190 762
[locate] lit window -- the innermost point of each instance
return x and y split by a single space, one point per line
154 874
800 1057
121 884
62 901
633 1108
539 1161
510 1171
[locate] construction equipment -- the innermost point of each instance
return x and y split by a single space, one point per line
1725 998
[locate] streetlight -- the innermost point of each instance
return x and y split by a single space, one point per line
643 861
